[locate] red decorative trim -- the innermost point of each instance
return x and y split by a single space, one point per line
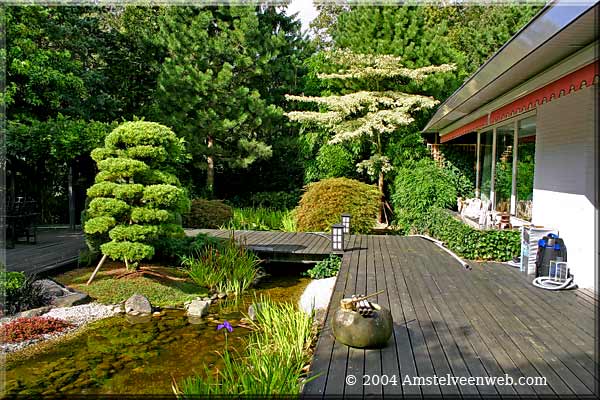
561 87
470 127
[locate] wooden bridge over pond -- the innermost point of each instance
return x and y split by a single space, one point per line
485 323
275 245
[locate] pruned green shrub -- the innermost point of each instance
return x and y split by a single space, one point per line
207 214
11 280
323 203
468 242
136 200
325 268
420 186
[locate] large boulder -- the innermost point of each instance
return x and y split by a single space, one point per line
317 294
198 308
71 299
35 312
51 288
138 304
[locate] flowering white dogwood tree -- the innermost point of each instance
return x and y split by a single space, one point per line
370 115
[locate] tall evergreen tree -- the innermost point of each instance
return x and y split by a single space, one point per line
204 91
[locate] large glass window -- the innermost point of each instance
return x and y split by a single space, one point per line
525 167
504 167
485 164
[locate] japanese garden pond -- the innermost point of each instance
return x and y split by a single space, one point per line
141 355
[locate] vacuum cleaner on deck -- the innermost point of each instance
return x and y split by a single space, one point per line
552 271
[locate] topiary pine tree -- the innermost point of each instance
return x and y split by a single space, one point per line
136 200
368 114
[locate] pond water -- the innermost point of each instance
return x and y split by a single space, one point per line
143 355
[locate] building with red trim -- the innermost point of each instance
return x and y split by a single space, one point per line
531 114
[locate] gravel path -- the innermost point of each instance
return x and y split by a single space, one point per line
77 315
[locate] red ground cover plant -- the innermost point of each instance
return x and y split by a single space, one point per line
26 328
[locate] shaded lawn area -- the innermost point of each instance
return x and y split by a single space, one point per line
163 286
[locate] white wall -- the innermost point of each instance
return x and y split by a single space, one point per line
564 194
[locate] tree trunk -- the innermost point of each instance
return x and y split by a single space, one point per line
381 192
210 171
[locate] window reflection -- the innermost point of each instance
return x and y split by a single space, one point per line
525 167
485 162
504 167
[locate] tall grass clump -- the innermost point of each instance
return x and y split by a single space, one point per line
227 268
289 221
258 219
272 362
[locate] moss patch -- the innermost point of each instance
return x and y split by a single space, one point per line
163 286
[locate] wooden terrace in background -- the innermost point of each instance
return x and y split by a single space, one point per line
54 248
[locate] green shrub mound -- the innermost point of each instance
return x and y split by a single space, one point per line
137 200
420 186
325 201
207 214
468 242
325 268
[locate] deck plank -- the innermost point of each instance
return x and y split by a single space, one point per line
337 370
373 361
404 350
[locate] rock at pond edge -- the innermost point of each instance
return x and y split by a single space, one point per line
139 304
198 308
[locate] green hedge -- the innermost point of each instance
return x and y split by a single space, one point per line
468 242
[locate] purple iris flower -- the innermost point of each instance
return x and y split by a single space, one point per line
225 325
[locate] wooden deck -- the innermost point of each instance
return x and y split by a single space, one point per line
275 245
487 322
54 248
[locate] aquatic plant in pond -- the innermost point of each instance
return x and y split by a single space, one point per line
225 325
229 268
271 364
